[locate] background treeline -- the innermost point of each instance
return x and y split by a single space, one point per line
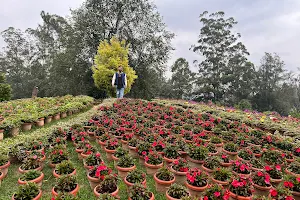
57 57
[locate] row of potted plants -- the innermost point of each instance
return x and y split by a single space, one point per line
23 114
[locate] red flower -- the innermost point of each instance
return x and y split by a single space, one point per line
298 150
235 183
242 167
278 167
289 198
205 198
224 156
268 168
288 184
97 155
144 153
273 192
146 158
60 152
190 178
154 144
217 194
259 173
298 179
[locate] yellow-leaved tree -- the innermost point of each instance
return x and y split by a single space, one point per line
110 55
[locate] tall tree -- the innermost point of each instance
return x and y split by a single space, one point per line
223 54
139 23
5 89
182 79
271 76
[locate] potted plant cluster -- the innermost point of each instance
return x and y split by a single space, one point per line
197 181
163 178
108 185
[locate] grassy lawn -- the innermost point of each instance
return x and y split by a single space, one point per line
10 184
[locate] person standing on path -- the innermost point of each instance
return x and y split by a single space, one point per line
119 81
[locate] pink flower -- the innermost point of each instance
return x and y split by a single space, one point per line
235 183
298 179
144 153
146 158
224 156
97 155
217 194
176 162
288 184
267 179
289 198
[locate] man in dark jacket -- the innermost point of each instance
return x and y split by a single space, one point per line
119 81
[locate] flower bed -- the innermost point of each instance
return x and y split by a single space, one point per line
193 163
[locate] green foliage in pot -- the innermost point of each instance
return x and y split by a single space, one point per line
65 184
58 154
126 161
222 174
65 196
211 148
31 162
136 176
180 165
27 191
196 177
133 142
261 178
139 192
216 192
177 191
231 147
164 174
3 159
120 152
274 171
30 175
246 154
171 152
257 163
241 186
272 157
65 167
144 148
216 140
108 185
100 131
153 158
198 152
93 159
294 167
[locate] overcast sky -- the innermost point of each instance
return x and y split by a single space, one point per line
265 25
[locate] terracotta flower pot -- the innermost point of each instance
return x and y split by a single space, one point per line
125 145
296 195
109 154
225 164
151 198
290 160
260 190
132 152
63 115
36 198
244 175
195 191
223 183
24 171
276 182
56 116
234 196
74 192
141 161
4 169
257 155
207 170
115 160
256 169
195 163
152 169
26 126
40 122
162 186
48 119
114 194
171 198
180 177
102 144
93 181
291 173
56 175
169 160
128 184
124 171
232 155
38 150
38 180
84 156
219 147
1 134
14 131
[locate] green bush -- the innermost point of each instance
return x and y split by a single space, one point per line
5 89
244 104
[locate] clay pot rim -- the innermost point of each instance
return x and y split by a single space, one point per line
92 179
72 192
172 198
58 175
132 148
162 182
230 153
131 184
207 169
24 171
125 169
113 193
195 188
5 165
195 161
153 166
177 172
35 198
220 182
37 180
239 197
262 187
109 151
